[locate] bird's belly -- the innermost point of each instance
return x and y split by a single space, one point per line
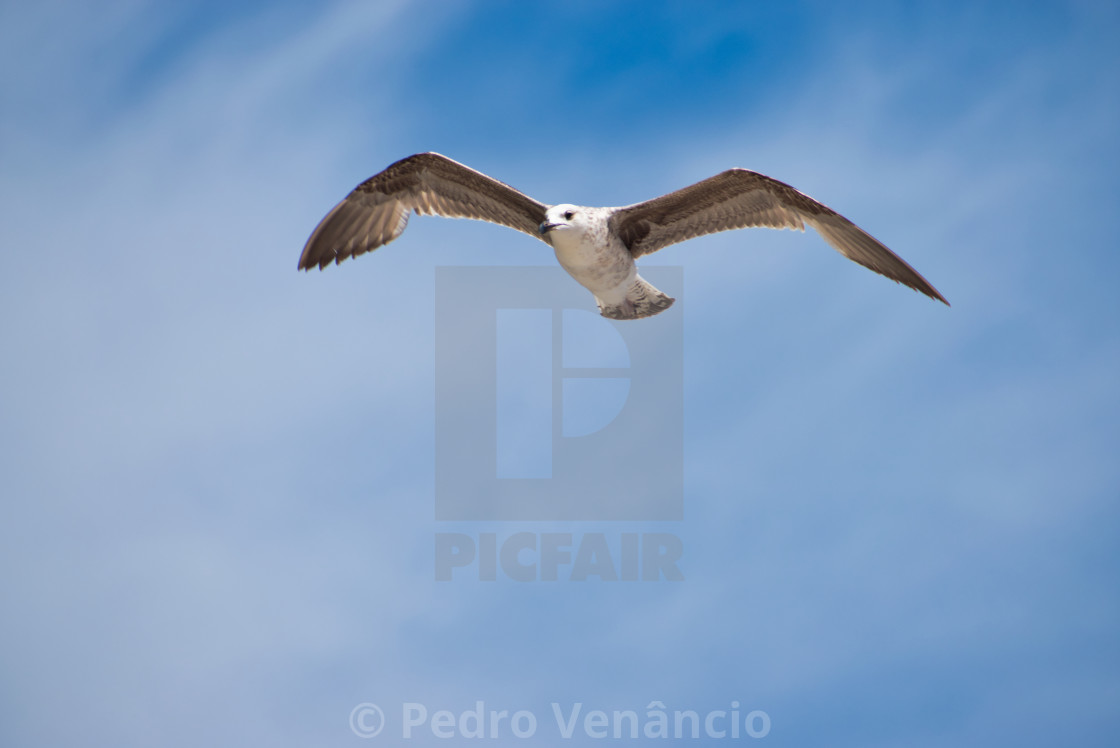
597 268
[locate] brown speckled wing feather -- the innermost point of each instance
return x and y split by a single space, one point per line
377 211
738 199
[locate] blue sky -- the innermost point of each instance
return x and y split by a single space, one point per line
900 520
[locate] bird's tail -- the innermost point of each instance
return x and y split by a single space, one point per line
642 300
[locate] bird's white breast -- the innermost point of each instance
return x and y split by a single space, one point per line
595 258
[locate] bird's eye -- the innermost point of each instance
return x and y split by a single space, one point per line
568 214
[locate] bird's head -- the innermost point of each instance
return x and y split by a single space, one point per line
563 217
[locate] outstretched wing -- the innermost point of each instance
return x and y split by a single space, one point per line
377 211
738 199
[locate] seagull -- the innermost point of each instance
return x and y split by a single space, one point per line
596 246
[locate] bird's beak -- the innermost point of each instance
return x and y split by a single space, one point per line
545 227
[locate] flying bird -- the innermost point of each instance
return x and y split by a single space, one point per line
597 246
